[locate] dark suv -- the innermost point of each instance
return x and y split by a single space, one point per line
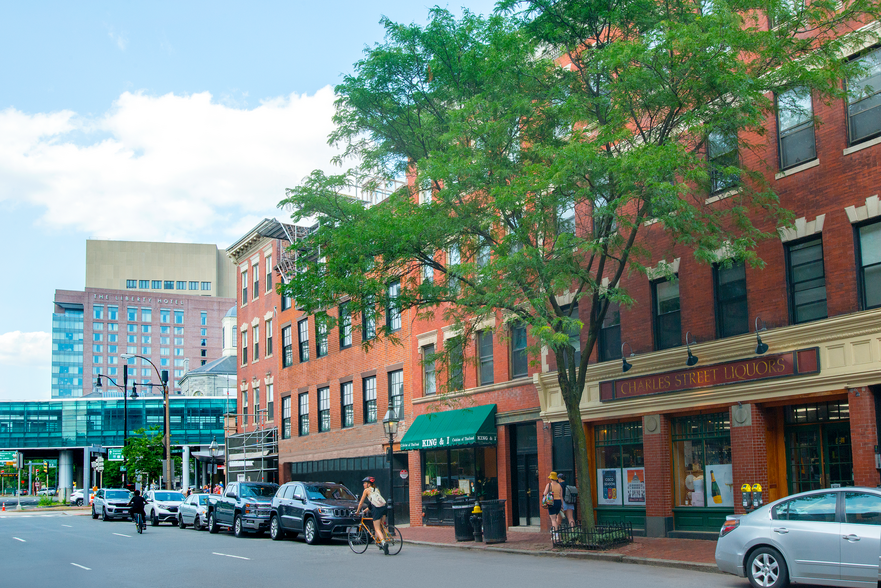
319 510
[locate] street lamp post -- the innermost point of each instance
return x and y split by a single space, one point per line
163 377
390 425
213 450
124 415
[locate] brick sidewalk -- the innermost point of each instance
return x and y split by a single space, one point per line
693 553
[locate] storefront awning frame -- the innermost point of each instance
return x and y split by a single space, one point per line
452 428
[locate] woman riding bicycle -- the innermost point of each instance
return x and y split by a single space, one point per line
137 504
377 509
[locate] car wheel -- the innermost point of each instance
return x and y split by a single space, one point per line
154 520
197 524
275 530
237 528
79 501
767 569
180 522
104 515
212 524
310 532
94 514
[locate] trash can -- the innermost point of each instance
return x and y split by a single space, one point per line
462 522
495 526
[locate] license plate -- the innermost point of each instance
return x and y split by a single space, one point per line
351 529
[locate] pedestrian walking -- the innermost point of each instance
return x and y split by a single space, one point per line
567 508
555 492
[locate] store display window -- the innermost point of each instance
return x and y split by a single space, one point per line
620 466
467 471
702 461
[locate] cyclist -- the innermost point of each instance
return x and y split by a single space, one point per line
137 505
377 509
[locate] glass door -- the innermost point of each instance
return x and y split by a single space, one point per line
819 456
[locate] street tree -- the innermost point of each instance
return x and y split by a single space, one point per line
553 148
144 453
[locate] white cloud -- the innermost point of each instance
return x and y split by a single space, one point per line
25 349
172 168
120 39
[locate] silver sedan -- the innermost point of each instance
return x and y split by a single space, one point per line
827 537
193 511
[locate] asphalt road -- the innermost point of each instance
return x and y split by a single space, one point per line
72 551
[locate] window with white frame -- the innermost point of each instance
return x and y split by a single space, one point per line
429 369
348 404
244 287
345 325
864 100
795 128
393 311
323 410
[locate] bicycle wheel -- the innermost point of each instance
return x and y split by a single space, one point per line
359 540
395 541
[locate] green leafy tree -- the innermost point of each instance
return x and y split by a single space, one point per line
144 453
543 179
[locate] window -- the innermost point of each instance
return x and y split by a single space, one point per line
485 356
722 153
303 338
368 322
131 284
164 315
203 333
730 291
256 271
287 347
323 410
203 318
425 192
146 339
144 284
156 284
368 385
320 335
131 328
519 357
665 303
783 11
393 312
571 311
348 404
244 287
396 392
795 128
862 509
256 341
863 112
97 337
178 352
610 334
113 326
178 317
815 508
203 353
268 328
206 286
454 258
98 311
457 363
286 417
620 463
97 326
131 338
112 338
304 414
164 351
869 252
429 383
244 407
113 313
181 285
146 351
244 347
566 219
194 285
702 452
97 359
286 302
256 404
178 340
97 348
132 313
179 330
345 325
146 315
269 273
427 273
482 255
146 328
270 402
168 285
807 281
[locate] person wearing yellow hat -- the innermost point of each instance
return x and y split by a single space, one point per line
554 490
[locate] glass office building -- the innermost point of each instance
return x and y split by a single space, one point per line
67 351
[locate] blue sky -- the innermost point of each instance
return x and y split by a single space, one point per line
161 121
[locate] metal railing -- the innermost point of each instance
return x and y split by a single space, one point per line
604 536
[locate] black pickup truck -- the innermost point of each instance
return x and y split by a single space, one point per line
244 507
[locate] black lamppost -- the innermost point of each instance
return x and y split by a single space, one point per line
390 425
124 388
213 450
163 377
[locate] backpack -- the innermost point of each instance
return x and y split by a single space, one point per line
570 495
376 498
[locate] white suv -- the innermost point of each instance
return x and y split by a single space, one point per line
162 506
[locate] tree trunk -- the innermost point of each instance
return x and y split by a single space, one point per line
582 467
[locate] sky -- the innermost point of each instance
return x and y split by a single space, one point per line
160 121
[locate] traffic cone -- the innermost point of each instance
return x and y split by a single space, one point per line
4 507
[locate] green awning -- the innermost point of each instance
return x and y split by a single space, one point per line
465 426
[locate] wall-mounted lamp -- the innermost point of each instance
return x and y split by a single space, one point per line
692 358
761 348
625 365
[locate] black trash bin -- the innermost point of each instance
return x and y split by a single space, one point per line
462 522
495 526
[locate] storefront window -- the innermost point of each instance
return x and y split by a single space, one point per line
818 445
702 461
620 466
469 471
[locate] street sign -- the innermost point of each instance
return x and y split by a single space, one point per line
8 456
114 454
99 468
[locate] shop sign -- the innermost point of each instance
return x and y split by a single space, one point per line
782 365
404 474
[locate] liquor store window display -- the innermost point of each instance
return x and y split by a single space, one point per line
620 477
818 445
467 472
703 484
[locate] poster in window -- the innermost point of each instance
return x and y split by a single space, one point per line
609 486
634 487
719 485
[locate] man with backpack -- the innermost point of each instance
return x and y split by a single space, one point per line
570 497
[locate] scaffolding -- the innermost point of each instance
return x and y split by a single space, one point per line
252 456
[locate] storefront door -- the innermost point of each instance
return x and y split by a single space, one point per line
527 489
819 456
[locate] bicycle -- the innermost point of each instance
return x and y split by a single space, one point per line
140 524
360 537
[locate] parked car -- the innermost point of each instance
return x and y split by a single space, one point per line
244 507
111 503
76 498
319 510
162 506
829 537
46 492
194 511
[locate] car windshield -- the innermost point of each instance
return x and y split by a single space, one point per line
329 491
169 496
202 499
258 491
119 495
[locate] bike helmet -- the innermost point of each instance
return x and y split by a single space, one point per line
369 479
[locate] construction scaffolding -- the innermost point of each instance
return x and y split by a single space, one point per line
252 456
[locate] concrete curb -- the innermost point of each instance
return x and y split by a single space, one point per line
613 557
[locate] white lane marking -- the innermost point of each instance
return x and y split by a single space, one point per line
81 567
228 555
68 526
17 539
121 535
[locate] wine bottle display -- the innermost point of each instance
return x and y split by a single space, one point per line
714 489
